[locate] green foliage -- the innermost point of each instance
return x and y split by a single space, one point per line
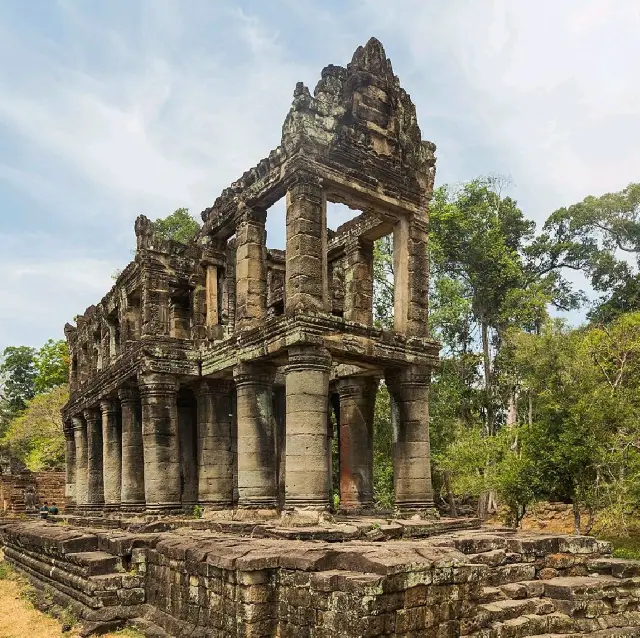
198 511
6 572
383 279
18 374
52 365
35 436
383 490
592 236
178 226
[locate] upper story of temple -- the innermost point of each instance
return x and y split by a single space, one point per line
200 309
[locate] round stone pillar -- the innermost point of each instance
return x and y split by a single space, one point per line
162 472
132 482
357 402
257 467
80 438
95 485
111 454
215 454
307 467
70 466
409 388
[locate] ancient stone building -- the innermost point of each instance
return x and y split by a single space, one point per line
208 372
206 376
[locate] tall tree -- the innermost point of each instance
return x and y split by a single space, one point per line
35 435
601 237
17 374
52 365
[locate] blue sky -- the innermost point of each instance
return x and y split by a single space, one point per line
112 109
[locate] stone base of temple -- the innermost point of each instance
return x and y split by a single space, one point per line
357 576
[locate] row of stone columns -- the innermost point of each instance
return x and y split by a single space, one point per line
135 457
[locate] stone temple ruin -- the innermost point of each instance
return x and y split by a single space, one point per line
207 377
206 374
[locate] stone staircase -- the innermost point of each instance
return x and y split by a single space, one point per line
70 569
562 593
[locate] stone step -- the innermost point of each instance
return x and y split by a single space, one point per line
527 625
515 573
617 567
523 589
502 610
491 594
581 587
96 563
621 632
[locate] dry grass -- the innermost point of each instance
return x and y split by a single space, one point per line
20 619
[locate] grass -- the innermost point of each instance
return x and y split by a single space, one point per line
5 571
129 632
627 547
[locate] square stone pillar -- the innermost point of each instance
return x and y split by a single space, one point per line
409 389
162 476
411 270
257 467
155 305
358 281
80 438
307 468
111 454
95 485
251 269
132 483
306 283
357 402
70 466
215 445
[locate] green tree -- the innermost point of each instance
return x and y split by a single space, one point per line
35 436
597 235
383 280
52 365
17 374
178 226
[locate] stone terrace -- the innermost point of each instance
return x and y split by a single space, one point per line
188 582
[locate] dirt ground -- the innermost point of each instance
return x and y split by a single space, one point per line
19 619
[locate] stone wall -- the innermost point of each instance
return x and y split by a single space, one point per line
47 486
188 582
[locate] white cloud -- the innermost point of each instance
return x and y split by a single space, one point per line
551 87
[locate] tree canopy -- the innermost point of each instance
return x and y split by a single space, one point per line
178 226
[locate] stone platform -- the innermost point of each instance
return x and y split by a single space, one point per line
261 581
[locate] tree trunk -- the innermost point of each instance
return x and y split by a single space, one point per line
512 409
447 484
486 357
530 409
576 518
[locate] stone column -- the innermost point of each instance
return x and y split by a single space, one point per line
95 486
358 281
162 484
411 270
308 479
251 268
132 483
215 455
357 402
80 438
70 466
187 445
111 454
307 283
409 388
257 480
